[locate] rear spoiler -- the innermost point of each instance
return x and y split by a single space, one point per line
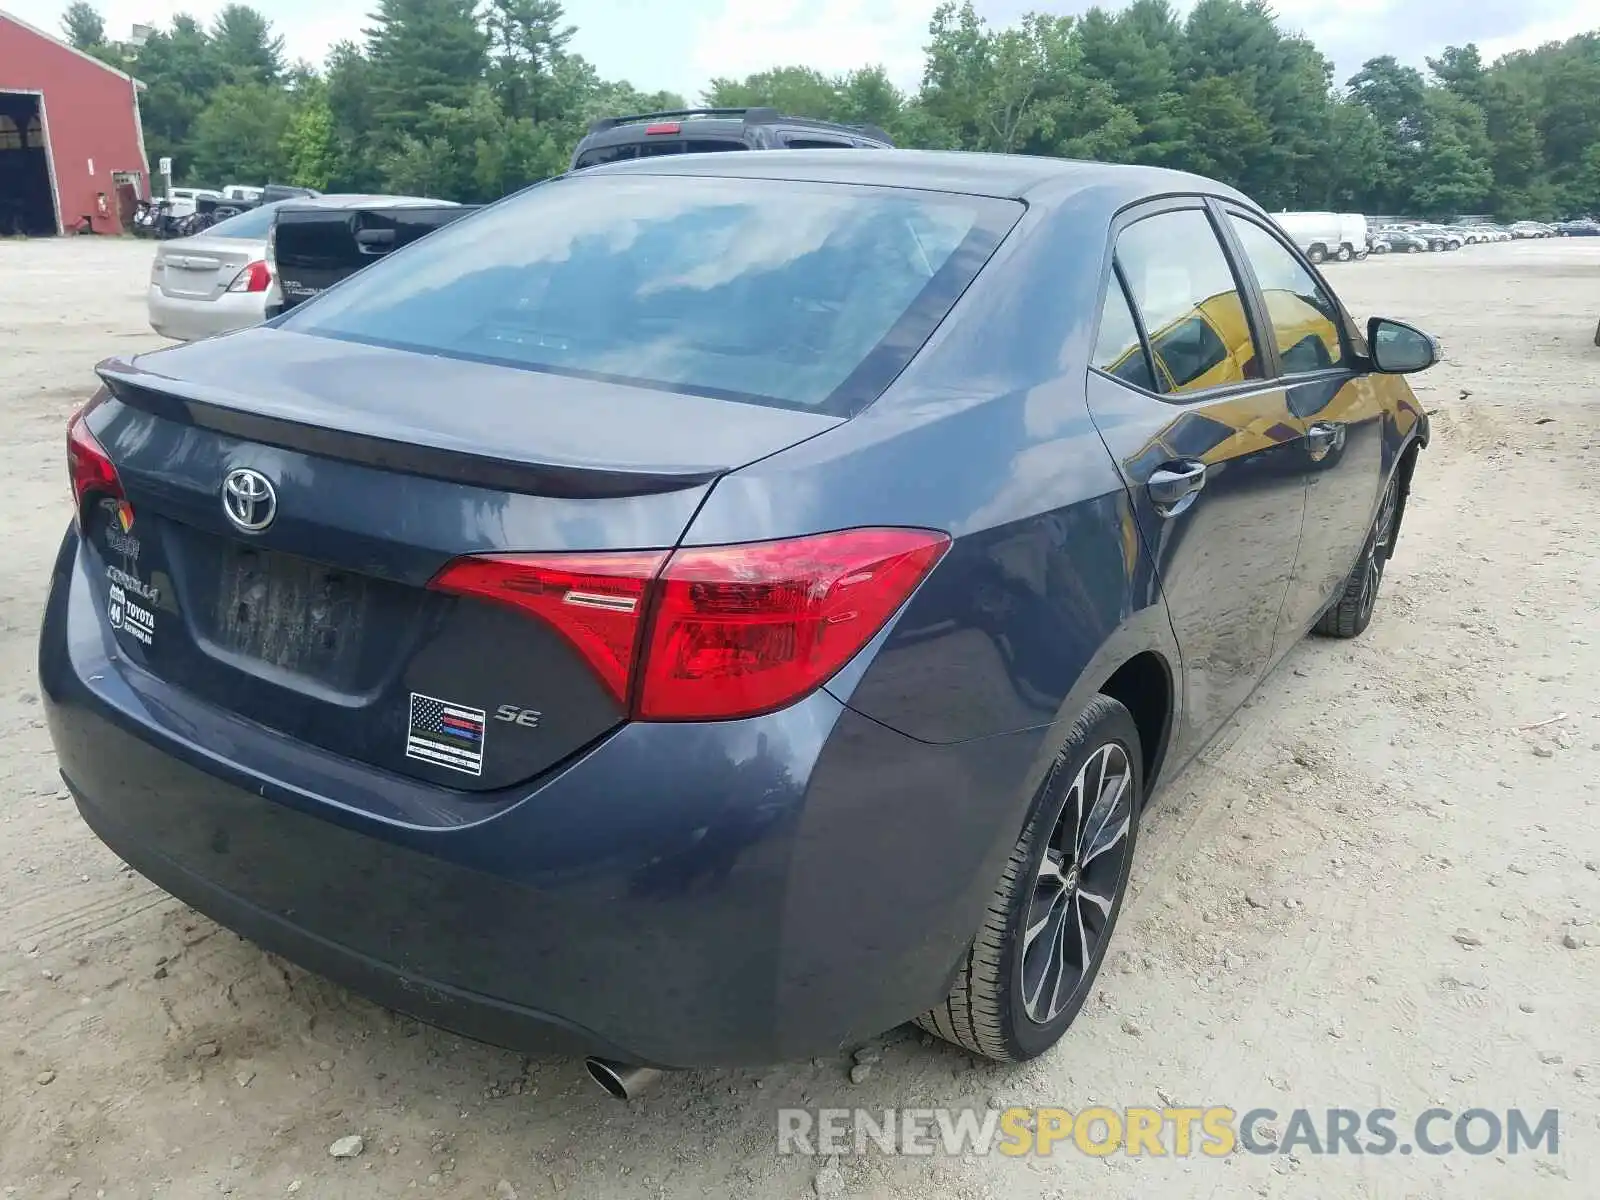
243 416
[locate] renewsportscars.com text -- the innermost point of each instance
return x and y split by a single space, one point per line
1166 1131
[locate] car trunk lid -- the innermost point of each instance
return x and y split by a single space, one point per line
202 268
386 466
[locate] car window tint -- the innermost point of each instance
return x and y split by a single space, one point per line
800 143
605 154
1187 296
712 145
1305 321
1118 350
765 291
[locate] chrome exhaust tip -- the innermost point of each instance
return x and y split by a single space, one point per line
619 1080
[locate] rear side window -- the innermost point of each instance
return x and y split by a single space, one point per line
1190 303
650 149
1118 350
799 295
1305 323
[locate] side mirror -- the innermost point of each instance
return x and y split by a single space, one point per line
1400 349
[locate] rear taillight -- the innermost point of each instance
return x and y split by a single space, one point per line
595 600
740 630
663 127
90 471
254 278
716 632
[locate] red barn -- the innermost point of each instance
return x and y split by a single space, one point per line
71 148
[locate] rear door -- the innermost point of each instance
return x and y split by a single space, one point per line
1341 404
1211 452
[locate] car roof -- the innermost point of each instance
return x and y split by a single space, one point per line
1004 176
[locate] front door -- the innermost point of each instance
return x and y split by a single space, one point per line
1343 411
1213 456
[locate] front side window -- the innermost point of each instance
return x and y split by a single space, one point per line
798 295
1305 321
1186 293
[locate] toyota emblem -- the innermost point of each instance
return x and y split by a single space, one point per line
248 499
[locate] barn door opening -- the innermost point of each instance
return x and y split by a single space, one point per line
27 203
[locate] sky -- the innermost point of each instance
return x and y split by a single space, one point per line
683 45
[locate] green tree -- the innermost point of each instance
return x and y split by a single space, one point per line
180 74
310 149
84 26
426 56
239 135
1132 52
243 47
527 44
1453 172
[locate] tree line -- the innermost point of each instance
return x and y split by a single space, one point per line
470 99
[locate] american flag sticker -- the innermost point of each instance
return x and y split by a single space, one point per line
446 735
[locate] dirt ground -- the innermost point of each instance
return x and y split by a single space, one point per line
1378 888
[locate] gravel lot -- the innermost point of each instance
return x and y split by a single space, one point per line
1378 888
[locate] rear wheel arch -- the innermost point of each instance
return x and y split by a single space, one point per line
1144 686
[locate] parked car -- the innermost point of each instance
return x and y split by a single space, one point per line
712 612
709 130
318 247
1582 227
315 243
1438 237
1531 229
213 282
182 201
1398 241
1355 240
1319 235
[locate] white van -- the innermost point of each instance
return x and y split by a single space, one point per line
1321 235
1354 239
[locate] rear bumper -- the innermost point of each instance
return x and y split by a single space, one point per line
191 320
680 895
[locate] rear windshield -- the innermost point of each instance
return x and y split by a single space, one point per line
650 149
252 223
799 295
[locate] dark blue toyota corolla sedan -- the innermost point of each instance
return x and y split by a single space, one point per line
715 608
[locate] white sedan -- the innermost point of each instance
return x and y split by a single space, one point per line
214 282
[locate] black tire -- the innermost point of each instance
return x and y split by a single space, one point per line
987 1011
1345 254
1380 248
1352 612
1317 254
1413 248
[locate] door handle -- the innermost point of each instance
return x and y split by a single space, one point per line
1325 436
1172 483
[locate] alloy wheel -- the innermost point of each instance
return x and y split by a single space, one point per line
1075 889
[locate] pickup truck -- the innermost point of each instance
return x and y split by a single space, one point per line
315 243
